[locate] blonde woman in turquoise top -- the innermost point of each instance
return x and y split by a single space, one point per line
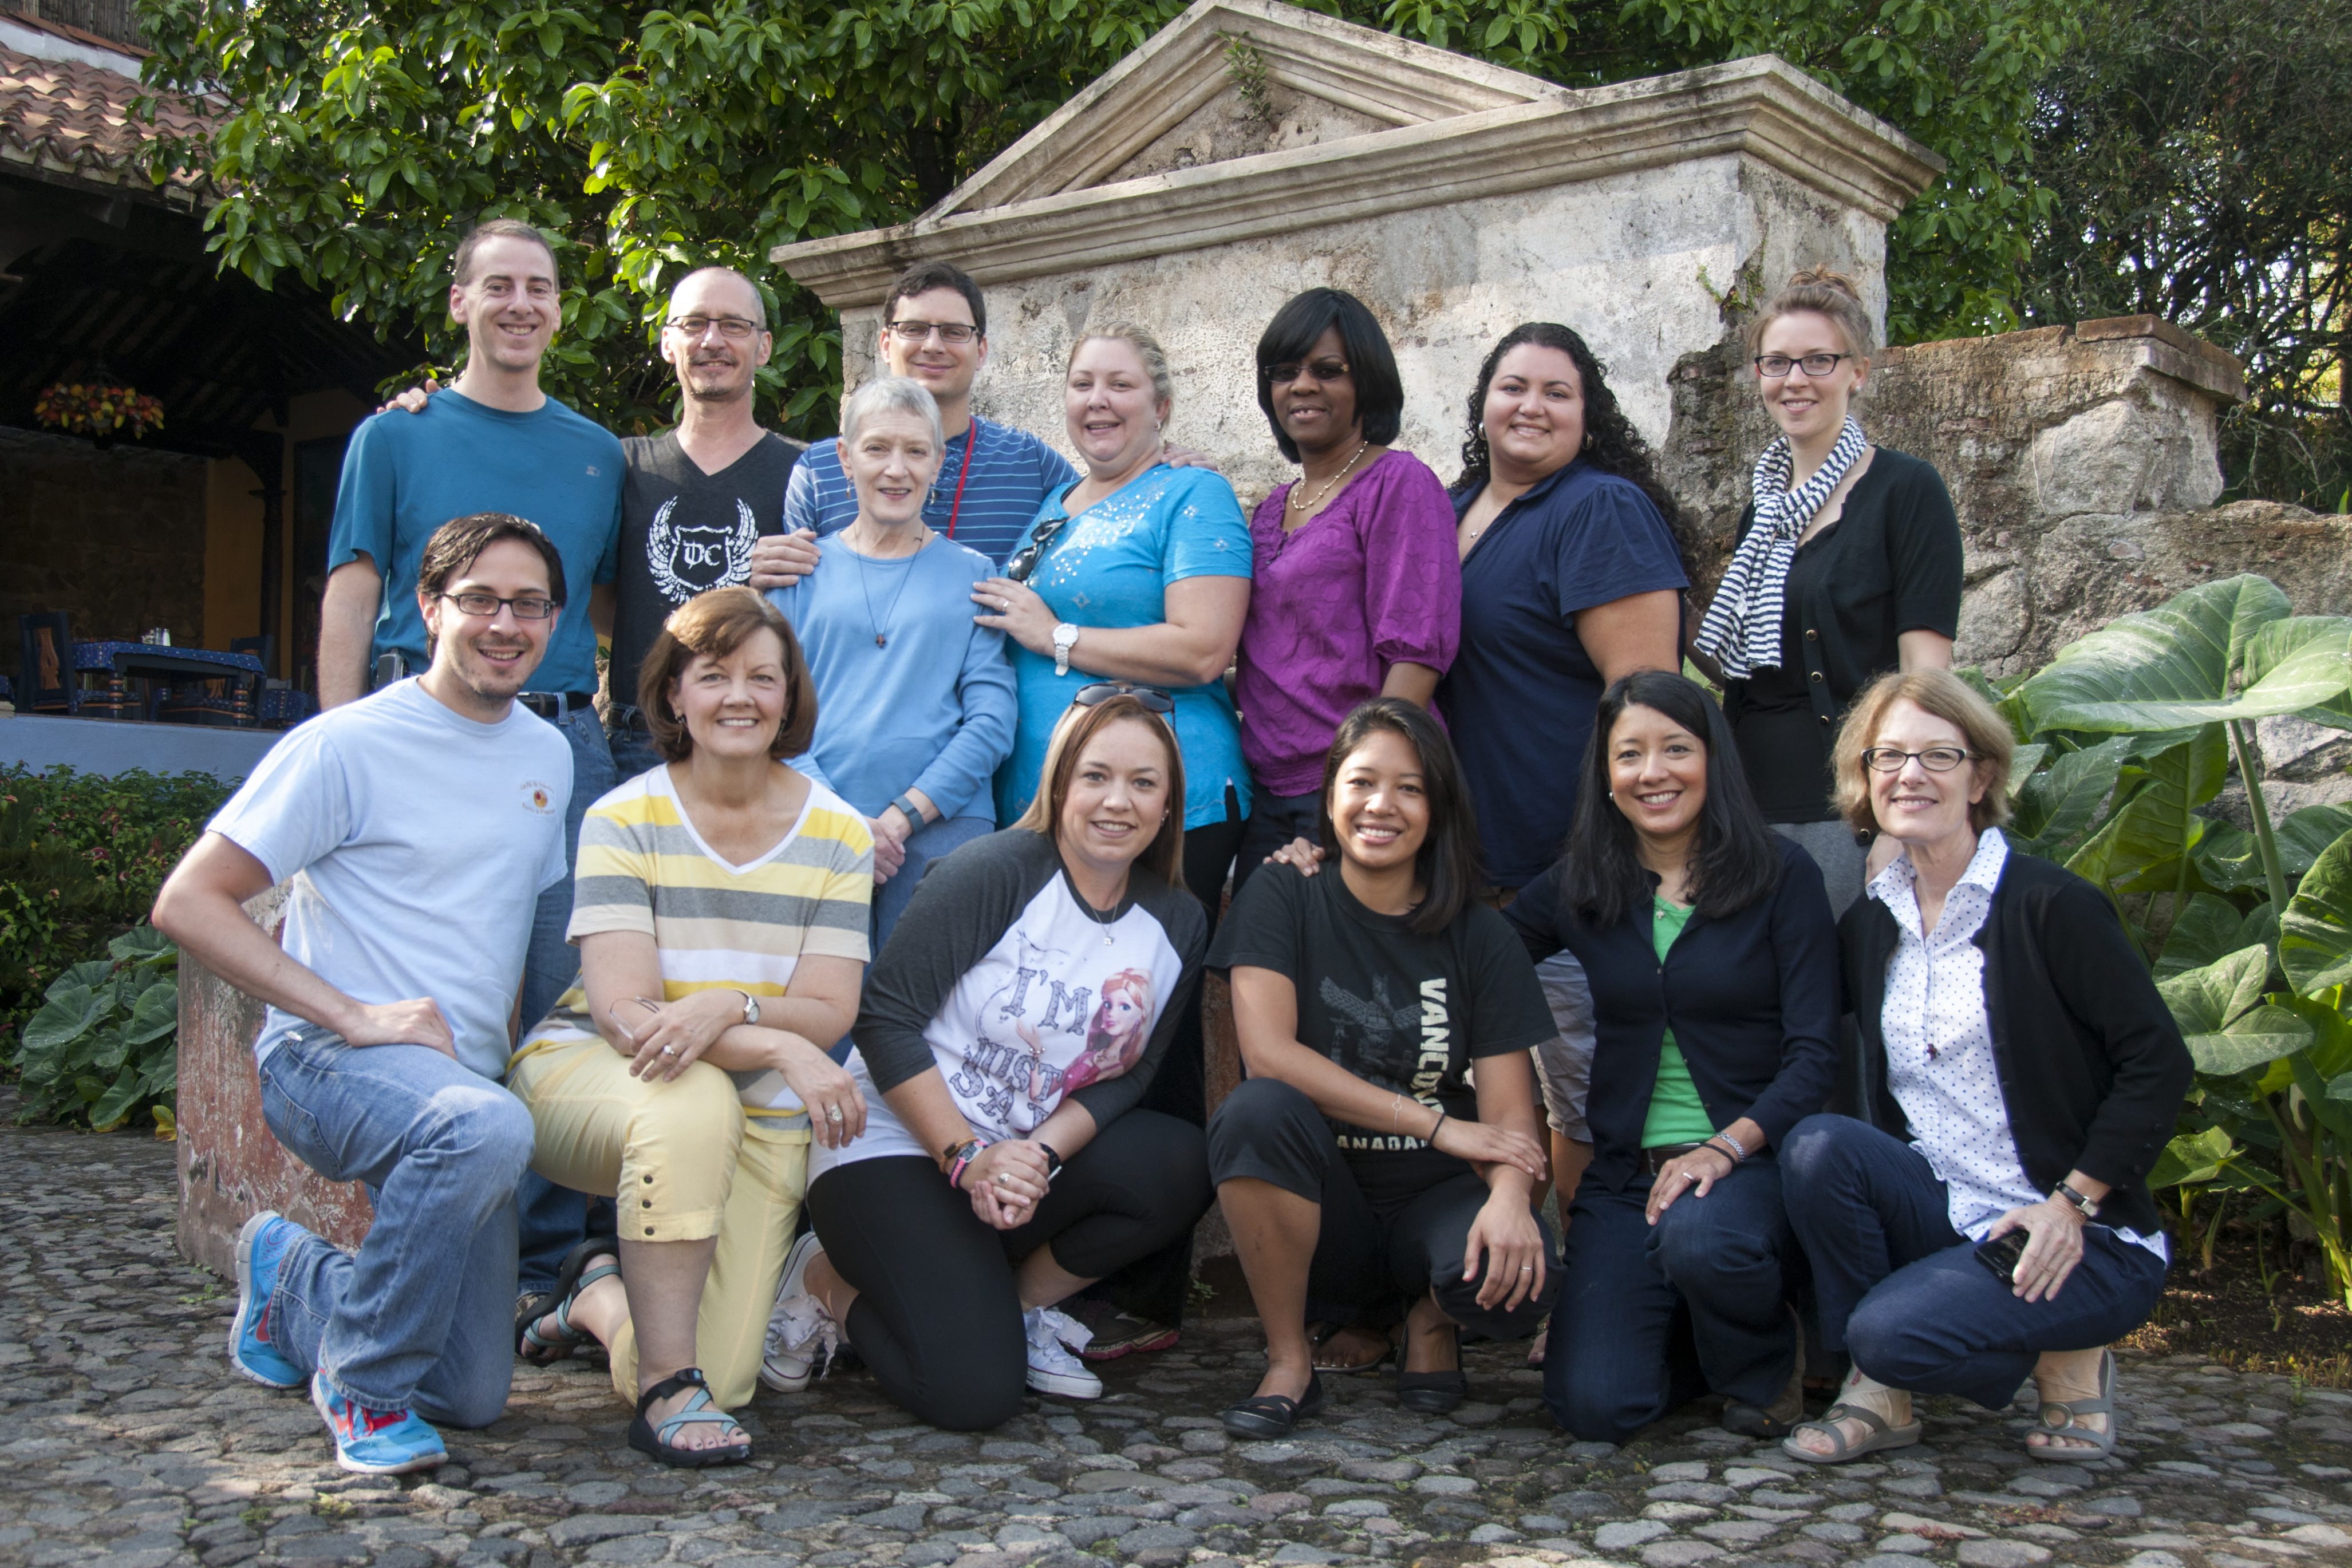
1136 577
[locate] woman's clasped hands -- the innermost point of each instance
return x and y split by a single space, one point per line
1006 1181
664 1038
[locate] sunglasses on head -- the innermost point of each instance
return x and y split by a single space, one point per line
1154 699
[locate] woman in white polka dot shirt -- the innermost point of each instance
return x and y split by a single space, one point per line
2021 1074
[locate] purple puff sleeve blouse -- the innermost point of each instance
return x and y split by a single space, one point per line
1372 581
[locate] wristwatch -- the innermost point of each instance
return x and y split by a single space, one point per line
1066 637
913 812
2086 1208
750 1009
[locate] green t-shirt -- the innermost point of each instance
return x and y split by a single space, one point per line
1676 1116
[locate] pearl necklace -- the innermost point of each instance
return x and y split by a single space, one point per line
1332 484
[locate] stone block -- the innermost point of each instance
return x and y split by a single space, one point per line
230 1166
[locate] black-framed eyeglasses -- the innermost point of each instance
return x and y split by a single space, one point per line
1025 560
734 329
1772 367
1324 371
915 331
1935 759
1094 695
526 606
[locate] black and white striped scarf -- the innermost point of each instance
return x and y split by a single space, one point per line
1742 628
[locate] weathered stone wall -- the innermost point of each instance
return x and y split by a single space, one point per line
2080 459
115 539
1636 262
231 1167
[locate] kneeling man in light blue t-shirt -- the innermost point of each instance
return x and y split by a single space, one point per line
415 829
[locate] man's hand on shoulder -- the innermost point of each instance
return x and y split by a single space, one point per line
780 560
415 1022
1176 457
413 400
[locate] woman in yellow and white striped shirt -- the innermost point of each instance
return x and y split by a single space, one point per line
721 913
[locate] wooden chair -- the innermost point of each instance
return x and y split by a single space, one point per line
45 674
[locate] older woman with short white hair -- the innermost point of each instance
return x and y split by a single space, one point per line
1991 1221
915 698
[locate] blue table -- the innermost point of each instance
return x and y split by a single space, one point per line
148 661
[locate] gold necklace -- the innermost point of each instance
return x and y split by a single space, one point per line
1325 494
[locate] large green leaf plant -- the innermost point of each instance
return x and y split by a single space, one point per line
105 1044
2125 739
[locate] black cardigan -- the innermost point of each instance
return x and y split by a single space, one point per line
2058 972
1752 999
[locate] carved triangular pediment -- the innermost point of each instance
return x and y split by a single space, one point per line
1235 79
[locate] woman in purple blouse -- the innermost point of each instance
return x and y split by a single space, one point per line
1356 585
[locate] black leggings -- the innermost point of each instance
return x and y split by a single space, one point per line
1378 1251
938 1317
1155 1287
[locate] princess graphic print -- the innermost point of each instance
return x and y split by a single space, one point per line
1020 994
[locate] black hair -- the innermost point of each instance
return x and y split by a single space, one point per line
1447 861
1290 337
926 275
1611 443
457 544
1736 860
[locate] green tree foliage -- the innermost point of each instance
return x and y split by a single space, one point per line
2199 153
367 137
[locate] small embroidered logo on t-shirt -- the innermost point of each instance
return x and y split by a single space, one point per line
537 798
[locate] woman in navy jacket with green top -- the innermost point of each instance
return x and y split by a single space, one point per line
1713 963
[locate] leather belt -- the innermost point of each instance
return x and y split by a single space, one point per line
552 705
1654 1159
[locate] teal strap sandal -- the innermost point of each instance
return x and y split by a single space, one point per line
655 1443
577 1274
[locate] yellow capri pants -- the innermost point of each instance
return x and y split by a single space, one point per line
682 1162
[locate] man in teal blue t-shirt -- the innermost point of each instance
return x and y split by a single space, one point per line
492 441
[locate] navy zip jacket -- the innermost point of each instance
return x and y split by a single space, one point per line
2093 1069
1752 998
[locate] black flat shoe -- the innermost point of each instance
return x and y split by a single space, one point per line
1274 1414
655 1442
1432 1393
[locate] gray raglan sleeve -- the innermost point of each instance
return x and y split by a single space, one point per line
1187 925
961 909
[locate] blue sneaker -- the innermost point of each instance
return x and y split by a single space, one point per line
260 1247
375 1442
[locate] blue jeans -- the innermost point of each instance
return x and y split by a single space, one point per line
1650 1318
1902 1291
633 748
421 1318
554 1218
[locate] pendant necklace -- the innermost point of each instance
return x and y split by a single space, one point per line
1330 485
882 638
1105 921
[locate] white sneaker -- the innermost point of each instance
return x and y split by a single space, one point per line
799 1331
1052 1369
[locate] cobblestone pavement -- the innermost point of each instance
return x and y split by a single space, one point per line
129 1445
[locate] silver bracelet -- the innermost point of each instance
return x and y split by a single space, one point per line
1738 1152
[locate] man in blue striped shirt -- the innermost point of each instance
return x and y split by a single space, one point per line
934 330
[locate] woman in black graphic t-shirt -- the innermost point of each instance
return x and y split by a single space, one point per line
1358 1163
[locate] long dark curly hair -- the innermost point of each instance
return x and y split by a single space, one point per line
1611 443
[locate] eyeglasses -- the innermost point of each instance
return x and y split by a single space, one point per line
1772 367
1025 560
1154 699
526 606
1324 371
1935 759
915 331
734 329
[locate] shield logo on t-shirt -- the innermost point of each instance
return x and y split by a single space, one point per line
686 560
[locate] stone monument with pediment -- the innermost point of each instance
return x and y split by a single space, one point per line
1251 149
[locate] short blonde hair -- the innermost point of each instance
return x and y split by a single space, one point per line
1945 696
1147 348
